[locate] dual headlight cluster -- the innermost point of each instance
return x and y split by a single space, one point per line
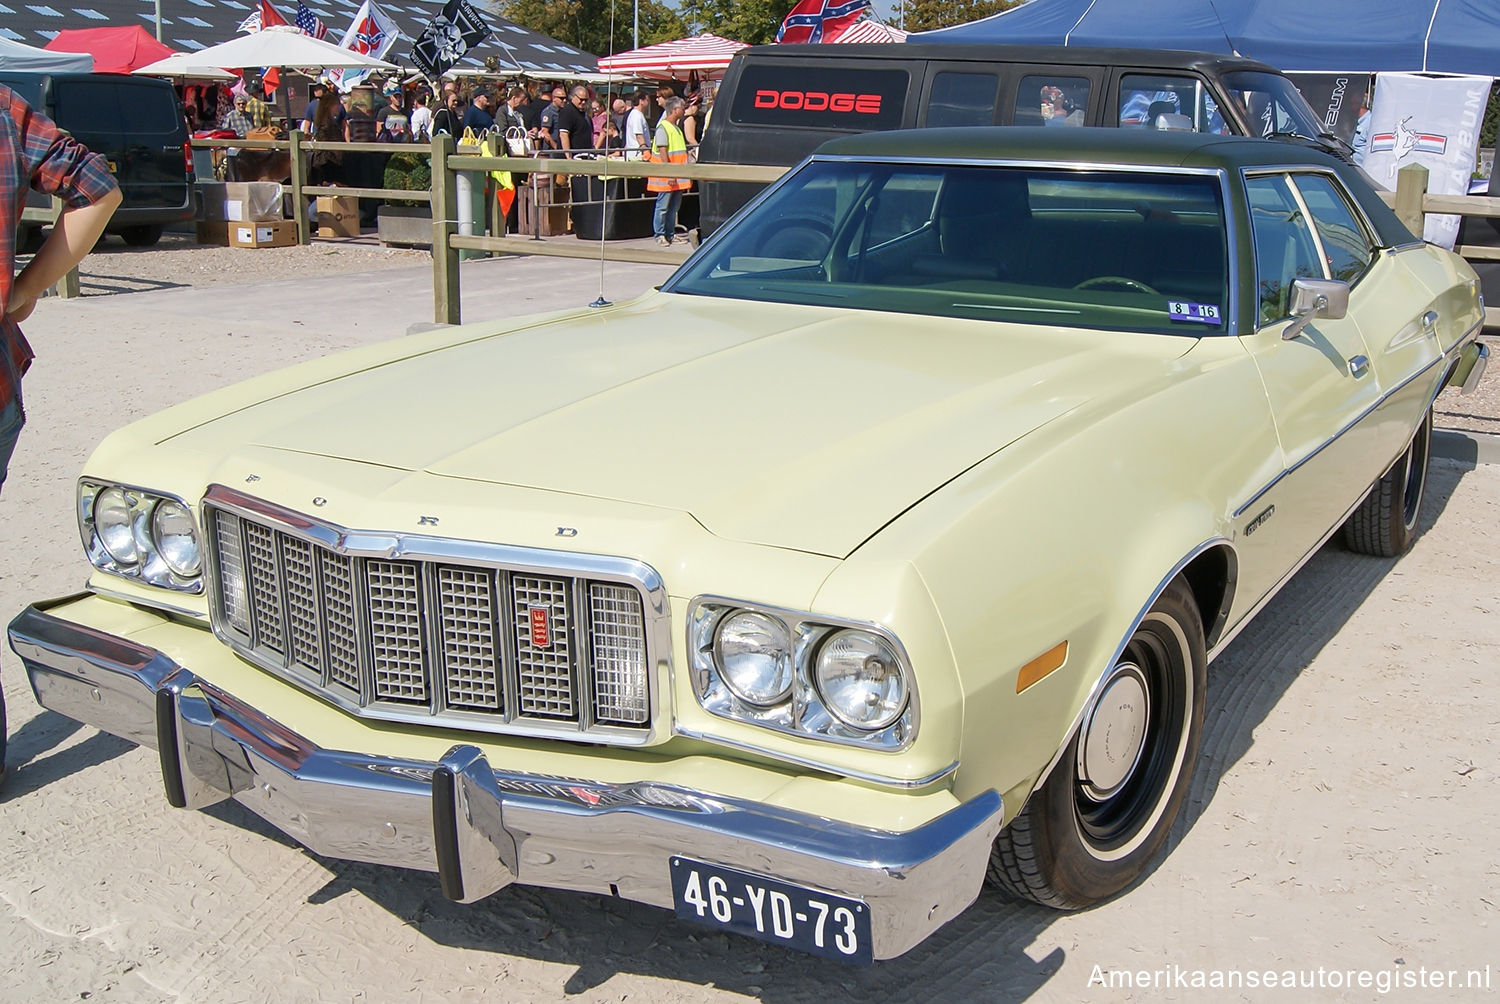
140 535
801 673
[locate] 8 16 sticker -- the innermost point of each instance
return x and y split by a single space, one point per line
1203 313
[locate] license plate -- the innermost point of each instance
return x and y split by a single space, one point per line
821 923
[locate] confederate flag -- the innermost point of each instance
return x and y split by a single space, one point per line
812 20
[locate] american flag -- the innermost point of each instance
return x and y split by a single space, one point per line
309 23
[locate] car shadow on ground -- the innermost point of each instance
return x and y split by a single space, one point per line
988 945
29 766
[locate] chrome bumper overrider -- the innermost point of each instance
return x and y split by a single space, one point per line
479 828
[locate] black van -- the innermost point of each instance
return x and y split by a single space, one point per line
138 125
778 103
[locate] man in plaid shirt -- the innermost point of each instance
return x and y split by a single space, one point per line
35 154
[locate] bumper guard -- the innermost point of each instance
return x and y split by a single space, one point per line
481 829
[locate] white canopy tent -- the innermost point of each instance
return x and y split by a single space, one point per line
25 58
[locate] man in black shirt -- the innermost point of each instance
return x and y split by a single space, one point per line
574 123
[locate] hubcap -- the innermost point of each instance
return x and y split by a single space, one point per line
1115 733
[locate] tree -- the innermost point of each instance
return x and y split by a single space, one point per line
753 22
925 15
586 23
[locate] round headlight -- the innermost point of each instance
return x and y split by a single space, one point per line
754 653
175 537
112 517
859 676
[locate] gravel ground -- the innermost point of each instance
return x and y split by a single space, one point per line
180 261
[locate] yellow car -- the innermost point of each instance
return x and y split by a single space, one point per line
882 549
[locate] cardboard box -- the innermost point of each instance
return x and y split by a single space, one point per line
338 216
212 234
267 234
239 201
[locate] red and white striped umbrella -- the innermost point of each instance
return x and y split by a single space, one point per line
708 54
869 31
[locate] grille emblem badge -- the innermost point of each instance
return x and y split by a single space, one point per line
541 626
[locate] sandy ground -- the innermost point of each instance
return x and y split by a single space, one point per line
1341 822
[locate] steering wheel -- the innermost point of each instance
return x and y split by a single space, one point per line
1117 280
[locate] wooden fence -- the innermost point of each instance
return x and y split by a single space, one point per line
1411 201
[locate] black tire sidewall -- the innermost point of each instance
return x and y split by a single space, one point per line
1078 875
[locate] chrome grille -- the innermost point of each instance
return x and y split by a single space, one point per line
465 640
471 652
542 651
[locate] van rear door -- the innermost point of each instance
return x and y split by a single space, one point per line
136 124
777 109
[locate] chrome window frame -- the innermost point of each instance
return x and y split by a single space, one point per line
398 546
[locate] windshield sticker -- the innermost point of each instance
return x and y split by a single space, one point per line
1203 313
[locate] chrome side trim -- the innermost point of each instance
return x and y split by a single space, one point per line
1231 633
480 828
1442 359
1109 666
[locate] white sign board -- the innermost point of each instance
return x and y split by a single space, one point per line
1433 121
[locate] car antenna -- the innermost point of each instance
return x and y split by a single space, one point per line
604 178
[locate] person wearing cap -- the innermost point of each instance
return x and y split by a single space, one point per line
255 108
237 121
314 94
478 117
391 121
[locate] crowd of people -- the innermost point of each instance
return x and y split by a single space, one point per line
536 119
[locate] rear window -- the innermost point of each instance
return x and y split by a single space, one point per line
853 99
97 106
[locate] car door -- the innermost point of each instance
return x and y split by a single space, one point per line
1395 310
1320 384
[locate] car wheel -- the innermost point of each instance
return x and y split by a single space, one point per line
29 240
1385 523
141 236
1105 811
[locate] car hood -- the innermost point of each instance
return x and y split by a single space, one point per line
803 427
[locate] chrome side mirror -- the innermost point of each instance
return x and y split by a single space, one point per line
1172 122
1312 298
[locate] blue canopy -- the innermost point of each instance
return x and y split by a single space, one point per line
1359 36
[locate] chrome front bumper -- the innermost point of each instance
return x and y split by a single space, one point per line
479 828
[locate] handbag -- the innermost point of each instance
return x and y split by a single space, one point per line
517 142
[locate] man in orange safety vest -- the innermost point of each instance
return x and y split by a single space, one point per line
670 145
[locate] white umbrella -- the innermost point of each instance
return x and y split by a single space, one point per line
184 66
284 45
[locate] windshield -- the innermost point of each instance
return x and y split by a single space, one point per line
1272 105
1119 249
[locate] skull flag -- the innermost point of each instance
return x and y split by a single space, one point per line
448 38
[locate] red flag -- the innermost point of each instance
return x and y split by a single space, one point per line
268 15
816 20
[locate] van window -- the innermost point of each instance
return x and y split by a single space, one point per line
1053 101
95 107
822 97
1144 98
1272 104
960 99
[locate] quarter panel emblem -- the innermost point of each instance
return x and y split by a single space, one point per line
427 521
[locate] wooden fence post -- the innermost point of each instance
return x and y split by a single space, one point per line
1411 186
445 291
299 201
67 286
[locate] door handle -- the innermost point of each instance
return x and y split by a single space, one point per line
1429 322
1359 366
